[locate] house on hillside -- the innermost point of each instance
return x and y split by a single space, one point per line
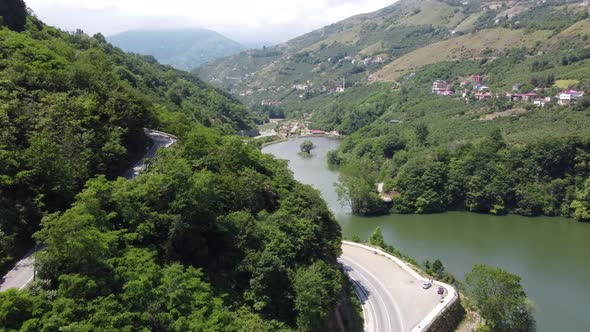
481 87
378 60
442 88
483 95
567 97
541 102
300 87
477 79
522 96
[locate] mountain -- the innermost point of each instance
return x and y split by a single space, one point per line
183 49
478 106
386 45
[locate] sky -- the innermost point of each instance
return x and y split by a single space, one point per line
246 21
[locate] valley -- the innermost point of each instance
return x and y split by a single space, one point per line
421 167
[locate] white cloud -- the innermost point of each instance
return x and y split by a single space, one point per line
254 20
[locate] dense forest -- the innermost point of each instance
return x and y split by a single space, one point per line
213 236
548 177
72 106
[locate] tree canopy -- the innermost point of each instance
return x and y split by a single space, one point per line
500 299
212 236
72 107
307 146
150 252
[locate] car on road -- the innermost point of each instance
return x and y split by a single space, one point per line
427 285
440 291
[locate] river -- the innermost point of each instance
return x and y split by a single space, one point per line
550 254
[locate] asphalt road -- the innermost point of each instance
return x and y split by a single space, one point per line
20 275
392 299
160 140
23 272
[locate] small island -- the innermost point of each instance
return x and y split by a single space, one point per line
306 148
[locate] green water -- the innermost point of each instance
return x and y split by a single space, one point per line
550 254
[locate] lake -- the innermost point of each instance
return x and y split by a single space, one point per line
550 254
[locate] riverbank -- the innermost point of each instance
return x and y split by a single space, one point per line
282 140
521 245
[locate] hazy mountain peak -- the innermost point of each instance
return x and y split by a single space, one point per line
181 48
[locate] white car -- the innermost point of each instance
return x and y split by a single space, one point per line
426 285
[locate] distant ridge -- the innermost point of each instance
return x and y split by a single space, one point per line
183 49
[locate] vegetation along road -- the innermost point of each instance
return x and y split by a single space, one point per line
23 272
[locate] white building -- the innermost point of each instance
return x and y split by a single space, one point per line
567 97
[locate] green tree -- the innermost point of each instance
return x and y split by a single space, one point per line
581 204
438 269
13 14
307 146
500 298
376 238
316 293
421 131
357 188
15 308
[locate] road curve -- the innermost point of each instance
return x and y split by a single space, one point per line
391 293
23 272
160 140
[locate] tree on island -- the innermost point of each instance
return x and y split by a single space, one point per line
307 146
500 298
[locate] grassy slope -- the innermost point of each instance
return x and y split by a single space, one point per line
395 27
433 13
408 35
471 46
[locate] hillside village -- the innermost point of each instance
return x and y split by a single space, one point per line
401 40
475 89
308 89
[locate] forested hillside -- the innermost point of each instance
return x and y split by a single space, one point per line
182 49
214 236
71 107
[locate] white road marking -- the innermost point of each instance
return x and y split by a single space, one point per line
377 294
27 283
393 301
369 325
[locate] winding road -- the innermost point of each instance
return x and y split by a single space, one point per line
390 292
23 272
